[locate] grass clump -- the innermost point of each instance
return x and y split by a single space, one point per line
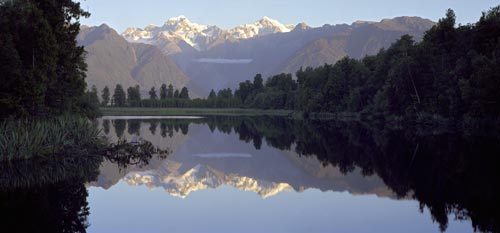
28 138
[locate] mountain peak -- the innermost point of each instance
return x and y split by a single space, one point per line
266 21
150 27
265 18
301 27
104 26
180 18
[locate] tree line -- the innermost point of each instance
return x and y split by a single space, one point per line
167 97
454 72
42 68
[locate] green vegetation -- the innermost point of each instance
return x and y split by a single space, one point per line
452 74
43 68
25 139
44 103
191 112
66 136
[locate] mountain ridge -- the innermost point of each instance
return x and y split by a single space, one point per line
284 52
112 60
200 37
215 58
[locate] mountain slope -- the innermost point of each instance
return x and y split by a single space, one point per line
287 52
363 38
214 58
112 60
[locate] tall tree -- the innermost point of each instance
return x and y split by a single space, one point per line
170 91
258 82
105 96
119 96
212 95
152 94
94 98
184 93
134 96
45 71
176 94
163 92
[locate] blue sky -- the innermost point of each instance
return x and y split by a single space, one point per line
121 14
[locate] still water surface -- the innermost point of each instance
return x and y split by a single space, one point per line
230 174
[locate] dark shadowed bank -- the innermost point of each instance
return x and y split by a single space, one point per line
50 194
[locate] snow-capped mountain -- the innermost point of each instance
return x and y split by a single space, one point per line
202 177
226 160
216 58
263 27
178 30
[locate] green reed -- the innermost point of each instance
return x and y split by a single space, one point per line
28 138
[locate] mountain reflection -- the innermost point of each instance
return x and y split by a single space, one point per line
445 172
448 173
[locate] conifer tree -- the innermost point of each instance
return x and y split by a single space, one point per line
105 96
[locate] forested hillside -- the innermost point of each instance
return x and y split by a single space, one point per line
42 68
453 72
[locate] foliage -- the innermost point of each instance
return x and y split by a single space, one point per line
43 73
134 96
152 94
105 96
452 74
163 92
25 139
138 154
119 98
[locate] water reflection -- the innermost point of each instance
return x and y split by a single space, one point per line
46 196
445 173
448 174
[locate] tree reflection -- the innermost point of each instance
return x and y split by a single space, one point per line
46 196
448 173
152 127
105 126
134 126
60 207
50 195
119 127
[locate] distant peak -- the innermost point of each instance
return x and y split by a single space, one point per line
267 19
301 27
104 26
177 19
131 30
150 27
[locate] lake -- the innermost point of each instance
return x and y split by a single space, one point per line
268 174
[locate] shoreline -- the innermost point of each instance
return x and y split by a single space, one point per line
192 112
